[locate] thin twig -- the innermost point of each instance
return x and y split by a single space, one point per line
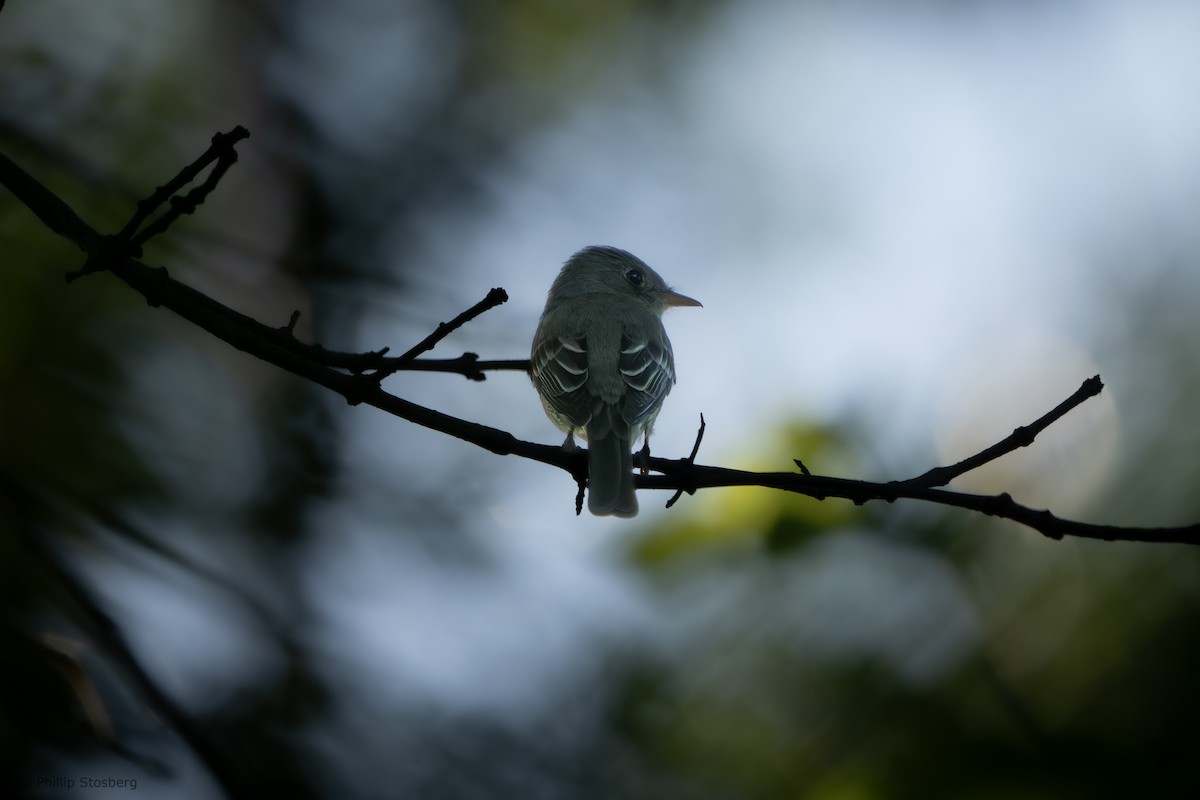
690 460
391 365
468 365
220 151
1021 437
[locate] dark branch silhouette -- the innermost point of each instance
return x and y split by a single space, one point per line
390 366
357 376
691 460
1021 437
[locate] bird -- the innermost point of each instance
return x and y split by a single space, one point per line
602 364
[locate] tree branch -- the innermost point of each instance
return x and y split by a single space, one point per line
389 366
355 376
678 474
469 365
1021 437
690 461
221 152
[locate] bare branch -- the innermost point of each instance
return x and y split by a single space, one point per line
221 152
53 212
690 460
679 474
494 298
468 365
356 376
1021 437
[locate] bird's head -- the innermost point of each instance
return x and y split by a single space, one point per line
606 269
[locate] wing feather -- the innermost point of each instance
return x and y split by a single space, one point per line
560 370
648 368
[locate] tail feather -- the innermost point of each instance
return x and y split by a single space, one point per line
610 475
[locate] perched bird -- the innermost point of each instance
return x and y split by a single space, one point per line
602 364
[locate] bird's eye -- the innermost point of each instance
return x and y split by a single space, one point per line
635 278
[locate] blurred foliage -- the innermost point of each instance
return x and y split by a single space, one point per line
1070 679
83 452
739 516
63 460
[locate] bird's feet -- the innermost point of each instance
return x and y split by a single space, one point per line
643 457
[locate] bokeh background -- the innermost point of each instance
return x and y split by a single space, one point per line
914 227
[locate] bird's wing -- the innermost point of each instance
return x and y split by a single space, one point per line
560 370
648 369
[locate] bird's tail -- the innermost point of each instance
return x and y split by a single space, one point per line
610 467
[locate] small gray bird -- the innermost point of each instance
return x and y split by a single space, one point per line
602 364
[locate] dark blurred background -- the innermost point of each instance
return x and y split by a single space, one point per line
914 227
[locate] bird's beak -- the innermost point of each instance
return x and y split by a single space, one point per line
677 299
